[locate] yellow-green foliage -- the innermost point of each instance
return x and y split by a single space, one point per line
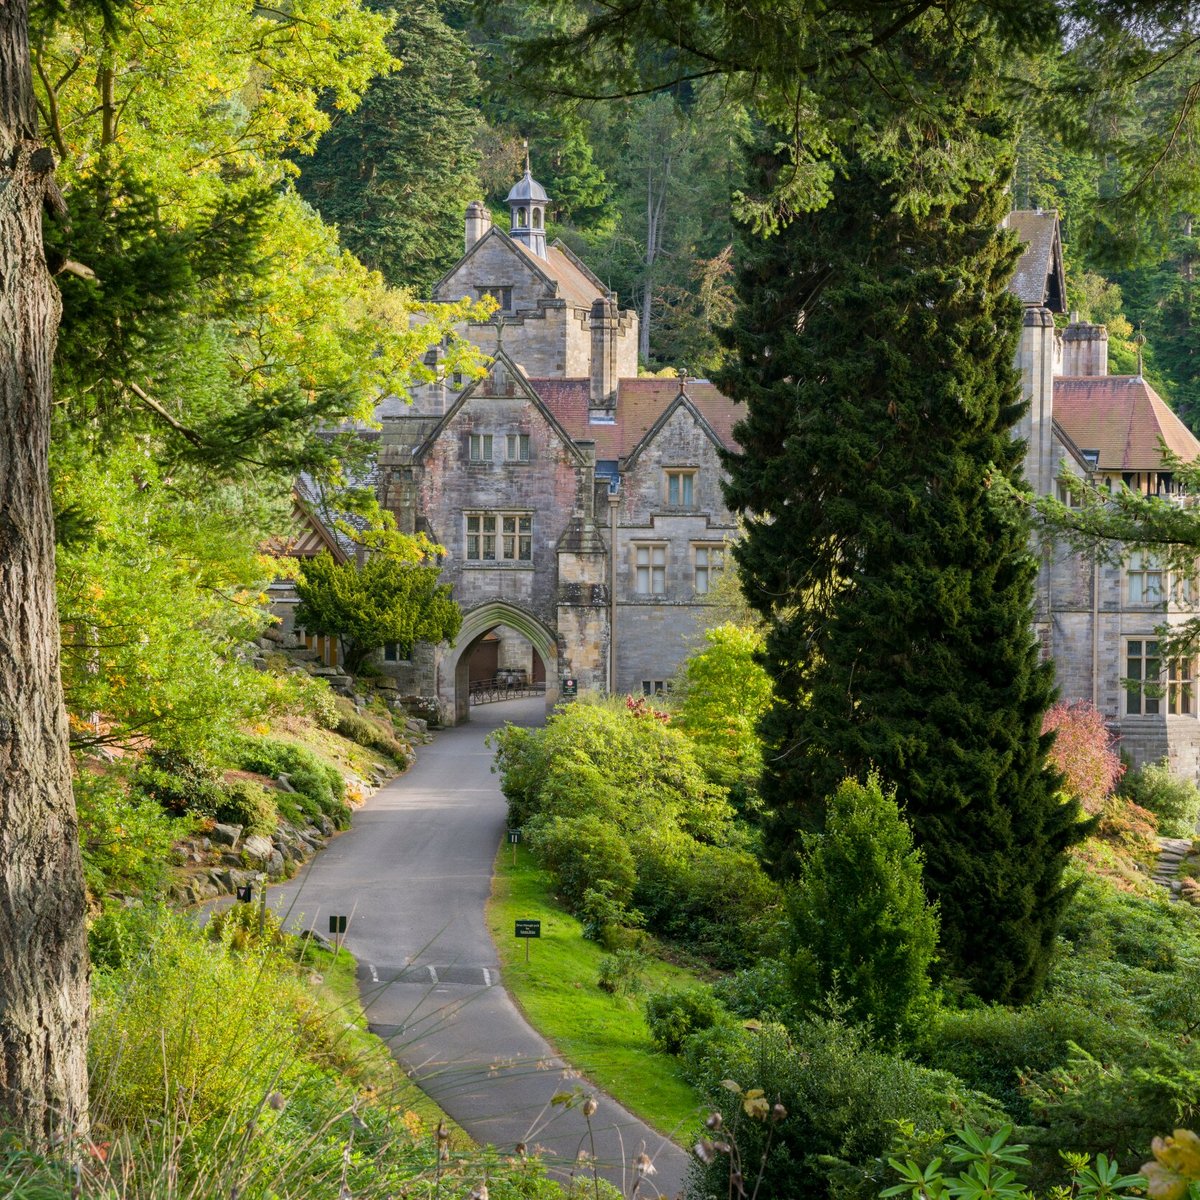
190 1026
724 693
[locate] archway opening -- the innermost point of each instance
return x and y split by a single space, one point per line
504 658
502 653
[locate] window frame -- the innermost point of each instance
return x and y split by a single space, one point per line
655 571
711 568
522 443
509 532
487 447
681 480
1173 681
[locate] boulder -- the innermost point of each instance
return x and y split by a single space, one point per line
258 847
225 835
275 864
326 825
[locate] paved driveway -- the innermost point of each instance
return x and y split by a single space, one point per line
414 873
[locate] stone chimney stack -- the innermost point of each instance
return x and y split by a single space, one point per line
479 221
604 321
1084 348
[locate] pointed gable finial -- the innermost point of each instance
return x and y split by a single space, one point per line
528 168
682 375
1139 341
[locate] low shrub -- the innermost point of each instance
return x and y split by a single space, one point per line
994 1049
845 1100
761 992
621 974
607 920
319 788
1174 801
246 927
178 783
125 837
717 900
169 1019
585 855
673 1016
250 805
370 733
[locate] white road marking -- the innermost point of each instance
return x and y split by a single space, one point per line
433 975
487 977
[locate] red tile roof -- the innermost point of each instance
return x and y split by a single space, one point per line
640 402
1123 419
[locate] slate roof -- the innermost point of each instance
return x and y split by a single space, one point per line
1039 280
573 282
1123 419
640 402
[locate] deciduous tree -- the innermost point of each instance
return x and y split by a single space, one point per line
384 600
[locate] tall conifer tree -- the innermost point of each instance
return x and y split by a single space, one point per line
395 175
875 354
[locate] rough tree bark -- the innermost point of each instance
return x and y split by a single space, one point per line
43 948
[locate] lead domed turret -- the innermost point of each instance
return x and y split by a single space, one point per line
527 203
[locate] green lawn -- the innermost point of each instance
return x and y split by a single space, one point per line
603 1036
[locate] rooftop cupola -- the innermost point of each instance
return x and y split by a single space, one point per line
527 202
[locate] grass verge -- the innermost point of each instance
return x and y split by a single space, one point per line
603 1036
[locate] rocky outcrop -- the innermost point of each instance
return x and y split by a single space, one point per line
221 860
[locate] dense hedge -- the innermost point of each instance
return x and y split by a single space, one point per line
616 806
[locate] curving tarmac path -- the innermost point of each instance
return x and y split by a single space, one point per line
414 873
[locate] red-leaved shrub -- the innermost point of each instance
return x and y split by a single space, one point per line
1084 751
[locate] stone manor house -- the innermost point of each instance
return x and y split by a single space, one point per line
581 511
1098 620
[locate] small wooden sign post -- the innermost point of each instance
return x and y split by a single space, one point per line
514 840
337 926
528 929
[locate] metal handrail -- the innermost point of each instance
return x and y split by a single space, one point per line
489 691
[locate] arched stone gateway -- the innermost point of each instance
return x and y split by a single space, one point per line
453 679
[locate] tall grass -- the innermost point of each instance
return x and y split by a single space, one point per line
219 1074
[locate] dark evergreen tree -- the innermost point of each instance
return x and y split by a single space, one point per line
875 352
396 174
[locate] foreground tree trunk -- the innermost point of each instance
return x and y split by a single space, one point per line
43 949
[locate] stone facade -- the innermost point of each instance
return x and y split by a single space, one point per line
1100 619
531 476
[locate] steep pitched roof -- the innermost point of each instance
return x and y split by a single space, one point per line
640 404
560 270
1040 279
310 535
478 387
576 284
539 266
1123 419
